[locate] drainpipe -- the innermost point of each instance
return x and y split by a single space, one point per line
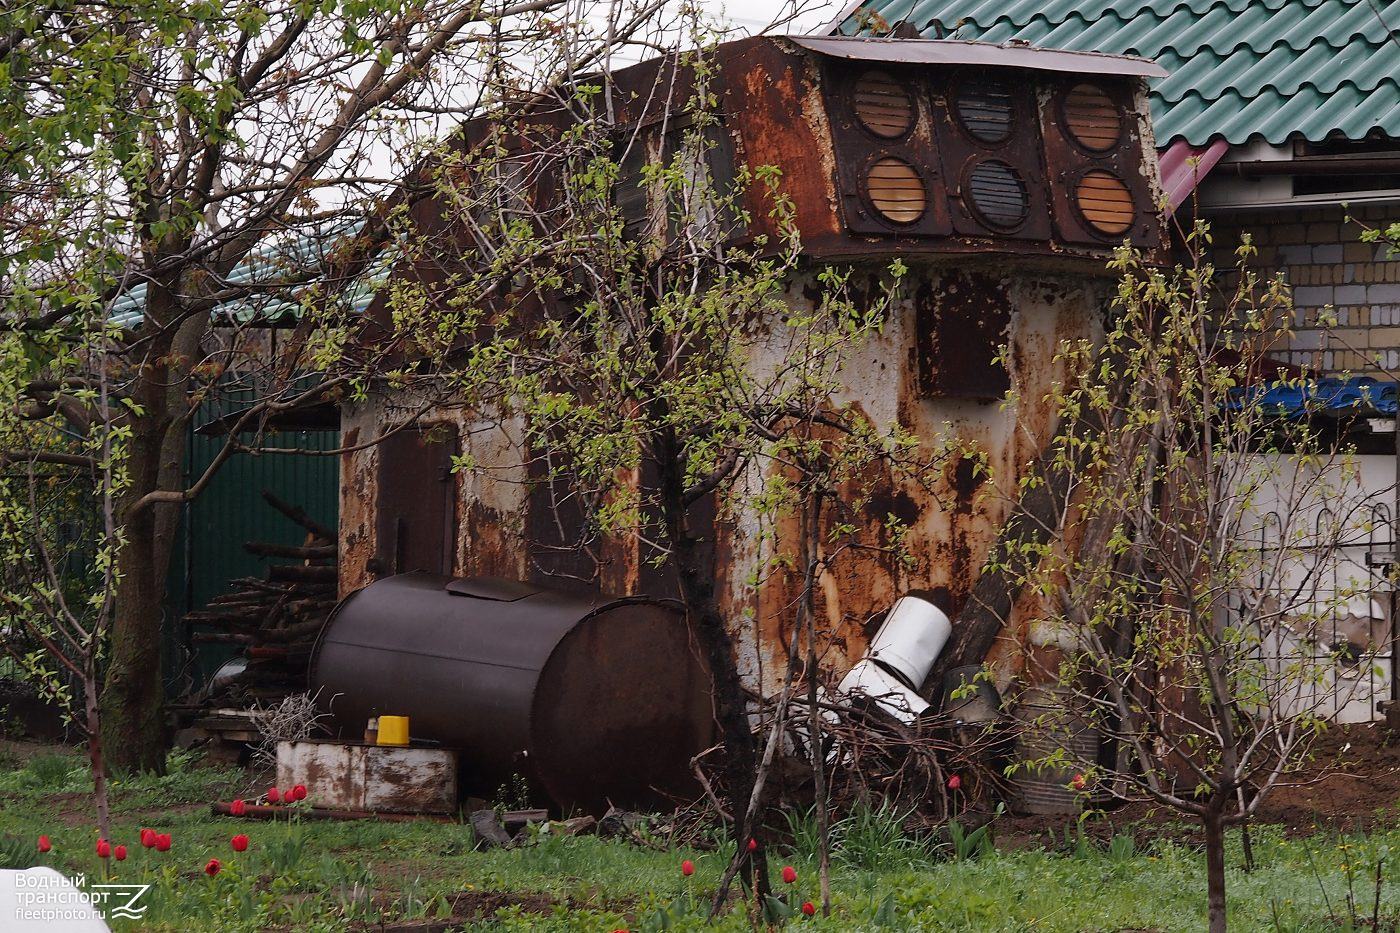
1316 165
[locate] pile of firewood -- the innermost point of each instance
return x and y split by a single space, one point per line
275 620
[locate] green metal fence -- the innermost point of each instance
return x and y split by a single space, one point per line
209 549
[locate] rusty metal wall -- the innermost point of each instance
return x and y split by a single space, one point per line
952 527
936 370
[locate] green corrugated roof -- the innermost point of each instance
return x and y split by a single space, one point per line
1240 69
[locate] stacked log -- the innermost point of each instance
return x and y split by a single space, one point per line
275 620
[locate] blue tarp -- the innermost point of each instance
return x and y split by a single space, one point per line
1299 398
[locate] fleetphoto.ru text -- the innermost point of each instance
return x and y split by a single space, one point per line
41 898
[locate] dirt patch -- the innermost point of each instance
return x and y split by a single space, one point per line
1351 784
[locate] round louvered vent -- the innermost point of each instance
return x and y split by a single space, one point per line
1091 119
1105 201
985 112
896 190
883 105
997 195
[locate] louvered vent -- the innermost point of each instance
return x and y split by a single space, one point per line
1091 119
997 194
1105 202
985 111
883 105
896 190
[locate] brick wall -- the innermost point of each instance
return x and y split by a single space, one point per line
1322 258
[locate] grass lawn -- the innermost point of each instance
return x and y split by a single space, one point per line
309 875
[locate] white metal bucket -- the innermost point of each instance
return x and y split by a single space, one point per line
884 688
911 638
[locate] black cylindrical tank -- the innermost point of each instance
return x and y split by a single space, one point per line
598 700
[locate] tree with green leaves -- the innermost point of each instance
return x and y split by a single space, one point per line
58 543
174 177
581 286
1184 602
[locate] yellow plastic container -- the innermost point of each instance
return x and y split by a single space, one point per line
393 730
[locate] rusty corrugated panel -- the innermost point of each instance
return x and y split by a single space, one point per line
598 699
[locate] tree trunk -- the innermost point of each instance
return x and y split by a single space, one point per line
133 693
731 710
1214 822
696 573
95 760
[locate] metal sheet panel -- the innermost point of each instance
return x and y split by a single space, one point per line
229 512
417 508
1183 166
374 778
949 52
961 323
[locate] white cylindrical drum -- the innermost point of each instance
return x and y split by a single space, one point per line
911 638
884 688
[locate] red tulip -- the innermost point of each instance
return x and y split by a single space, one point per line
297 793
212 868
954 782
753 845
1078 782
104 848
237 808
162 842
808 909
44 844
789 874
148 838
274 795
239 843
120 853
687 868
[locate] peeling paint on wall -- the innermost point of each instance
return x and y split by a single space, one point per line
964 359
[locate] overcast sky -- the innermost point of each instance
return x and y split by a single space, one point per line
753 15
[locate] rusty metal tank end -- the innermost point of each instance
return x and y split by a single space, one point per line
597 700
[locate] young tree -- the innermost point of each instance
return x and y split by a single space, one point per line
1186 588
58 547
655 368
170 167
